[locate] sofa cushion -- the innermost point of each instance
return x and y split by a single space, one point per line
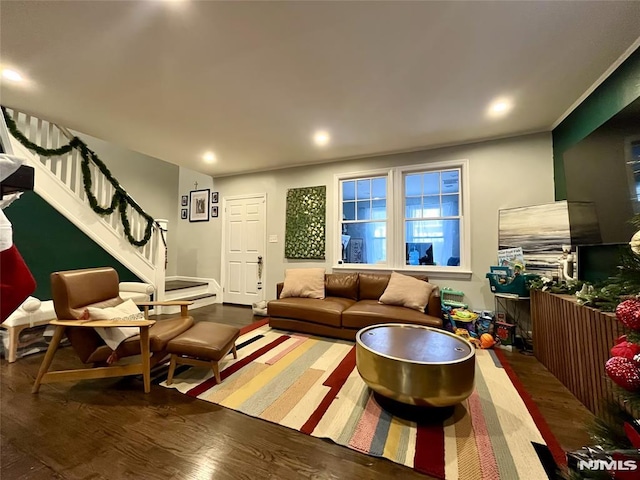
326 312
373 285
303 282
341 285
406 291
371 312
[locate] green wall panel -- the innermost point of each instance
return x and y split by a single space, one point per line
49 242
620 89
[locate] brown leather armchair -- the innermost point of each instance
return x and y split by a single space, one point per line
73 291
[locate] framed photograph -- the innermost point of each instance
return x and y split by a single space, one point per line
199 205
214 198
185 200
183 214
214 210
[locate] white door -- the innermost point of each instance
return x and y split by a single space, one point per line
244 243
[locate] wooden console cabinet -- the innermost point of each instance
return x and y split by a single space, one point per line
574 342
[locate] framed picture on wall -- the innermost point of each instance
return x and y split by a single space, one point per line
214 197
214 210
184 201
199 205
183 214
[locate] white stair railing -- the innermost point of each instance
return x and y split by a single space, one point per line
59 181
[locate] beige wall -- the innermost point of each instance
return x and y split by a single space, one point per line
198 244
150 181
505 173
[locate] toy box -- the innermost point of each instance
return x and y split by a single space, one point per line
517 285
505 332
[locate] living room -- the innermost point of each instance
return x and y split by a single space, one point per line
503 166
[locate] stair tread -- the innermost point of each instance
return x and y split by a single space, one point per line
197 297
171 285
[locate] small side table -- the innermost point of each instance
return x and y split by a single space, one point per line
518 313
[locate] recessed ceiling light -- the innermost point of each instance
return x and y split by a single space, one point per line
11 75
209 157
321 138
500 107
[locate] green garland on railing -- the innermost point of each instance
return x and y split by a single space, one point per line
120 199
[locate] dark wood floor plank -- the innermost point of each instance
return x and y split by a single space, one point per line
110 429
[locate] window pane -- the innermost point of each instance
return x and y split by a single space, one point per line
420 253
364 189
431 183
379 211
412 185
450 206
349 190
431 206
379 187
450 181
364 210
367 243
413 207
348 210
443 234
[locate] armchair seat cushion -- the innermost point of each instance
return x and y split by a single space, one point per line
371 312
326 312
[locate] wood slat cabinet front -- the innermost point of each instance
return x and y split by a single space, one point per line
574 343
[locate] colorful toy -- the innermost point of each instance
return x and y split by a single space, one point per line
461 332
486 341
452 298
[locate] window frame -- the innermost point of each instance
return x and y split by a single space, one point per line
395 223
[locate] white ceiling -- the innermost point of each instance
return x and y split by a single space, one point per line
252 81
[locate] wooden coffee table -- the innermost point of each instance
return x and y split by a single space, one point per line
416 365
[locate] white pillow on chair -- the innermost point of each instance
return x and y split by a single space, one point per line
114 336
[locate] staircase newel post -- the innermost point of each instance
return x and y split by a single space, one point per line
161 258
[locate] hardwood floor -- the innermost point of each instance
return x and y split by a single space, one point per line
109 429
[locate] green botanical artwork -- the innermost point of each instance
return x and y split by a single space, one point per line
304 236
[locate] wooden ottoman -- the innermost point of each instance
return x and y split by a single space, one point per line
204 344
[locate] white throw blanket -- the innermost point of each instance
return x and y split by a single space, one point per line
114 336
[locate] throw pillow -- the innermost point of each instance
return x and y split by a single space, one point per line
407 291
114 336
303 282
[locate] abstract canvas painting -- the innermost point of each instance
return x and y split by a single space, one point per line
542 230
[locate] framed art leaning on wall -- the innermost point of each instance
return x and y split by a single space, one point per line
199 205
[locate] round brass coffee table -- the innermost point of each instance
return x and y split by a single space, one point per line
416 365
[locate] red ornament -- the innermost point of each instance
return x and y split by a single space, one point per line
623 372
625 350
628 312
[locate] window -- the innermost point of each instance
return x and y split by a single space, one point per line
405 217
364 220
432 217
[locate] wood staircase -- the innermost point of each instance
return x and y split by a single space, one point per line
59 181
198 291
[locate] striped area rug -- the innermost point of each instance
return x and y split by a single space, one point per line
312 385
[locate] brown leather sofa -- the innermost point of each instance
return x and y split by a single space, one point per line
350 303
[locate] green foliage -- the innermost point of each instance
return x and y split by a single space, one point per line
608 429
305 223
120 200
548 285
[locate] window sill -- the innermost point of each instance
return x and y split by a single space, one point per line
431 272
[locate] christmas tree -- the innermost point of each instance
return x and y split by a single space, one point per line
616 434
